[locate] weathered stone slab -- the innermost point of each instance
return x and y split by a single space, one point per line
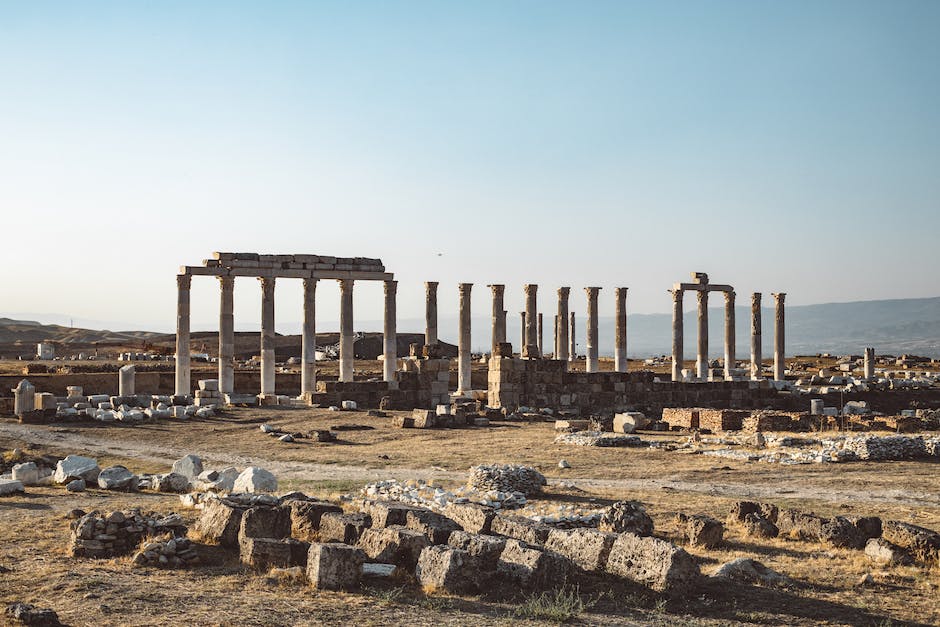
626 517
220 521
484 551
444 568
334 566
117 478
305 518
264 553
654 563
799 525
344 528
265 522
701 530
471 517
531 567
387 513
923 544
520 528
436 527
393 545
882 552
586 548
76 467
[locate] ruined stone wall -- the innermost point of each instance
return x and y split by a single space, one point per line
547 383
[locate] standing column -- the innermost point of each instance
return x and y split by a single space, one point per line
541 335
347 338
308 340
591 365
267 336
780 365
620 340
531 325
677 335
869 368
756 357
430 312
701 364
390 339
499 316
572 340
463 348
563 353
227 335
522 339
729 334
183 283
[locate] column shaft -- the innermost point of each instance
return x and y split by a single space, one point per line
563 293
591 365
522 339
430 312
756 357
677 335
620 340
347 336
701 364
390 339
729 334
780 366
869 367
541 336
531 323
572 339
183 283
268 356
308 340
463 348
499 318
227 335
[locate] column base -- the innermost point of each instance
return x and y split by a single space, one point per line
267 399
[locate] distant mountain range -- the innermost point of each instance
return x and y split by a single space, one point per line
902 326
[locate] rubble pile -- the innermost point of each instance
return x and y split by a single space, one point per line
598 438
118 533
843 448
506 478
169 553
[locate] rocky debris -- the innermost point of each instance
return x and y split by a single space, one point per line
586 548
170 553
334 566
471 517
880 551
27 473
839 532
701 530
76 485
655 563
255 479
757 526
221 520
741 509
484 550
448 569
842 448
265 521
563 464
393 545
119 533
799 525
264 553
28 614
190 466
76 467
343 528
305 518
217 481
630 421
9 486
506 478
167 482
868 526
520 528
530 567
748 571
436 527
923 544
117 478
598 438
420 494
626 516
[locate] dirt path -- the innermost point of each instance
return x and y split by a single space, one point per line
69 440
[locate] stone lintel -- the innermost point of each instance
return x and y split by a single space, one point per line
288 274
699 287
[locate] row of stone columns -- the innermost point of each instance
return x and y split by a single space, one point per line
183 385
730 336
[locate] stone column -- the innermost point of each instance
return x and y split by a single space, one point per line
541 335
126 380
563 293
390 338
499 316
620 340
463 343
308 340
729 334
756 357
430 312
183 283
591 364
677 335
227 335
531 325
267 337
347 338
572 340
522 339
780 365
701 363
869 371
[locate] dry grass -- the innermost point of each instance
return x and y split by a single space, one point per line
110 592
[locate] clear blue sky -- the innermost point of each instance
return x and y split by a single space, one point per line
779 146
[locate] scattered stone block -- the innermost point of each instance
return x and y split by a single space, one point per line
117 478
839 532
170 482
423 418
10 486
923 544
305 518
471 517
76 467
626 517
403 422
255 479
586 548
393 545
27 473
799 525
264 553
28 614
436 527
387 513
265 522
532 568
629 422
484 550
757 526
220 521
882 552
655 563
520 528
701 530
189 466
343 528
447 569
334 566
748 571
76 485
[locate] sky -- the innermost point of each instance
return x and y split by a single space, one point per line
778 146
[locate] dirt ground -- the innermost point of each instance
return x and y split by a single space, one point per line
33 542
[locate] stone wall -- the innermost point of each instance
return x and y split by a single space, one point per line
547 383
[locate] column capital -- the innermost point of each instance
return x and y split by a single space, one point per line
677 295
184 281
755 297
310 283
498 288
431 286
620 292
729 296
592 291
779 296
391 287
564 292
345 285
267 283
464 288
702 296
226 282
530 287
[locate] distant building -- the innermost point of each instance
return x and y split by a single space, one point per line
45 350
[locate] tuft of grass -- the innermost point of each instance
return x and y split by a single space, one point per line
559 605
388 596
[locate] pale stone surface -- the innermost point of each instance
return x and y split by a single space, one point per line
390 332
591 361
756 348
255 479
10 486
463 343
701 360
27 473
445 568
880 551
654 563
394 544
334 566
308 340
183 283
190 466
117 478
677 335
227 334
347 336
76 467
498 315
24 397
628 422
586 548
267 337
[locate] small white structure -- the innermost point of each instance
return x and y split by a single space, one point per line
45 350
